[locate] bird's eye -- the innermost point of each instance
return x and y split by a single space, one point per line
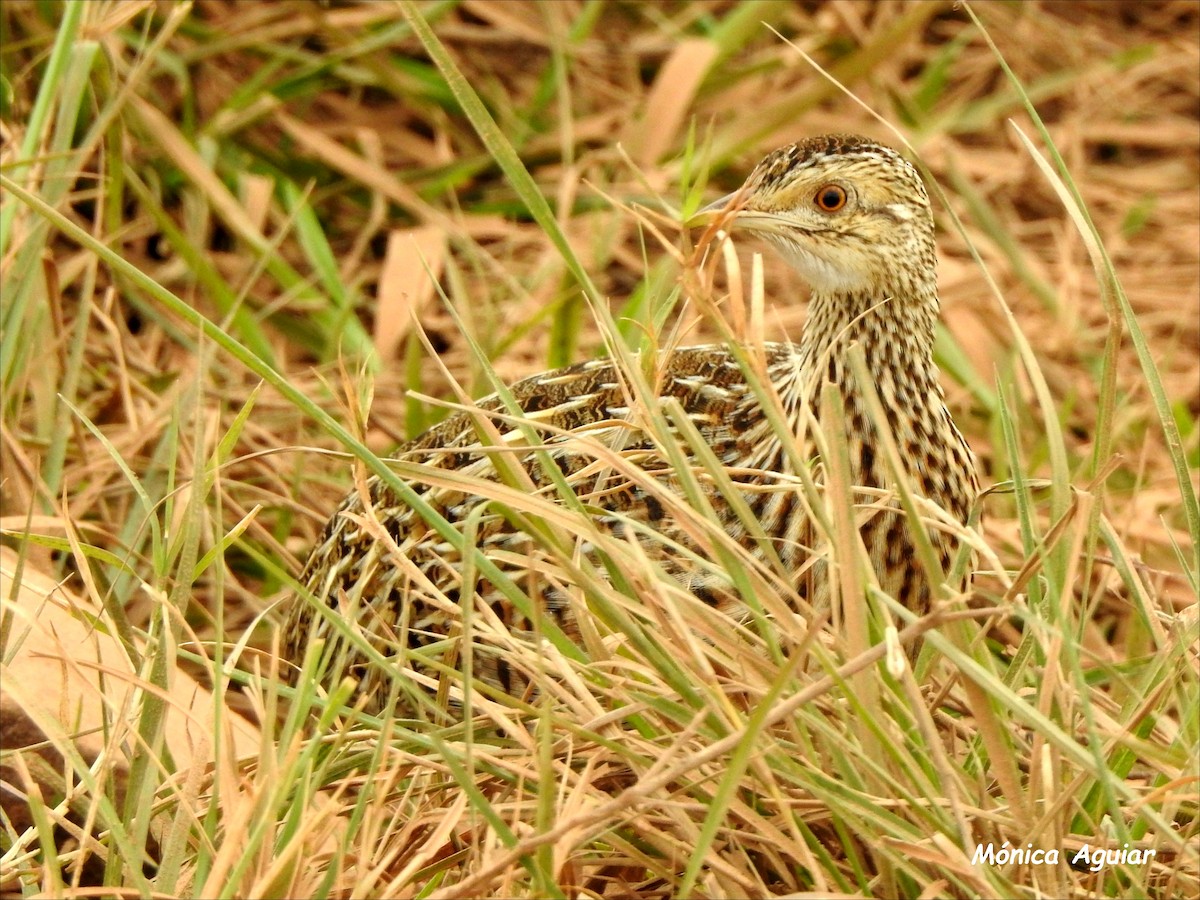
830 198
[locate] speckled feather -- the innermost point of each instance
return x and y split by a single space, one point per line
872 268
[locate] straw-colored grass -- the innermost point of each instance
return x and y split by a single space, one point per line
244 248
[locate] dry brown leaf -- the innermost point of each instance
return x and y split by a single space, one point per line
68 683
411 269
670 100
54 674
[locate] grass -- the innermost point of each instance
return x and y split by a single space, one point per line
214 238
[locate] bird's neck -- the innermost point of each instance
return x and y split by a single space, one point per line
895 332
896 335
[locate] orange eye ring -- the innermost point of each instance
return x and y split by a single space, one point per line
830 198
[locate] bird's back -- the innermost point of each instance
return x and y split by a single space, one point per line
582 415
405 589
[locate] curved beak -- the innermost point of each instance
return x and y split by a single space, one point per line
730 212
724 207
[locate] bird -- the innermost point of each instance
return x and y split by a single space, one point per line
853 219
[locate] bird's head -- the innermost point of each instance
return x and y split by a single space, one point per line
850 215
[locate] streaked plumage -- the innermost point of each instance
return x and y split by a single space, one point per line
853 218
